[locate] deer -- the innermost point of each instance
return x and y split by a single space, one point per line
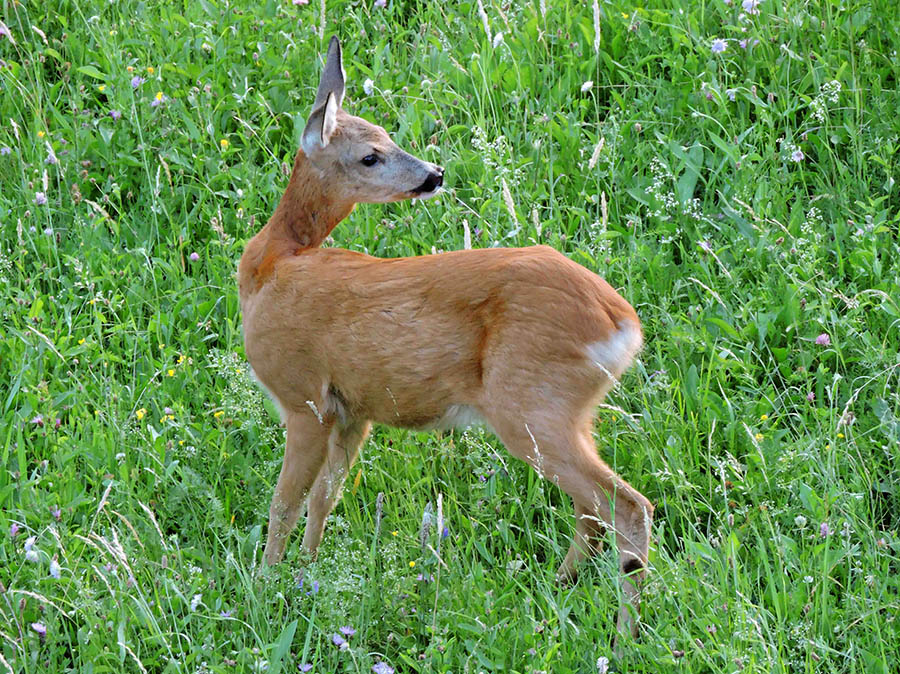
522 340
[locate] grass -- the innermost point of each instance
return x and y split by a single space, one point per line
744 201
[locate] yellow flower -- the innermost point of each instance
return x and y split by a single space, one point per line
129 69
113 32
41 134
170 372
412 564
827 446
181 443
101 88
81 341
180 360
394 533
140 413
759 436
840 436
91 301
764 417
224 143
150 70
159 96
218 413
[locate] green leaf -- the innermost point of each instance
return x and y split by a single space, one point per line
92 72
282 646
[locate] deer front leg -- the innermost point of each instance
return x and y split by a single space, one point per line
343 448
304 454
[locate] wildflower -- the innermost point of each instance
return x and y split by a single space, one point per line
303 2
225 614
55 571
41 630
811 396
587 86
218 414
4 32
732 94
51 157
823 339
445 532
129 69
38 421
159 98
498 40
395 533
315 588
347 631
101 88
115 114
170 372
137 81
743 44
764 417
759 436
150 70
797 156
339 641
56 512
40 199
718 46
41 134
380 3
800 521
303 667
382 668
194 257
14 530
824 530
840 436
168 411
412 565
196 601
141 413
4 150
751 6
30 553
602 665
224 143
368 86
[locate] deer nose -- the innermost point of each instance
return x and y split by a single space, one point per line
434 180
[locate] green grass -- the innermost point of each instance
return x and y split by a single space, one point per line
140 456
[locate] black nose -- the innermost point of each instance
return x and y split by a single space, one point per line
432 182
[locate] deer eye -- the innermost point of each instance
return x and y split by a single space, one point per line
369 160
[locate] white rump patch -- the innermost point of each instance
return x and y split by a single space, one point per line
615 354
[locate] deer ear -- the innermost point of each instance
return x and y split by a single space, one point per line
333 76
320 126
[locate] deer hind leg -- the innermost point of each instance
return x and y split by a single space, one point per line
304 454
566 455
343 448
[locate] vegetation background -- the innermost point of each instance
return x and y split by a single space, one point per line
730 166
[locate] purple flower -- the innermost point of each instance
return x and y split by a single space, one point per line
303 2
751 6
445 532
56 512
339 641
811 397
380 3
304 667
13 530
743 44
732 94
194 257
137 81
347 631
4 150
225 614
56 424
315 588
40 198
51 158
797 157
115 114
382 668
4 32
824 530
41 629
718 46
823 339
55 571
38 420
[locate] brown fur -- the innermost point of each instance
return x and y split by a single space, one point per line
525 339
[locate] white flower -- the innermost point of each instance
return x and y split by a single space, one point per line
498 40
368 86
602 665
797 155
800 521
587 86
29 543
55 571
751 6
195 602
718 46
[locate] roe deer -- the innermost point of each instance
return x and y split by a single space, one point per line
523 340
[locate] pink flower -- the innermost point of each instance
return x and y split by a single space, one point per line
797 156
823 339
116 115
380 3
824 529
40 199
41 629
13 530
194 257
811 397
302 2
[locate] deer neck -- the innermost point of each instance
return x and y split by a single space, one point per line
306 214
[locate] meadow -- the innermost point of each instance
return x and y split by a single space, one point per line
728 166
